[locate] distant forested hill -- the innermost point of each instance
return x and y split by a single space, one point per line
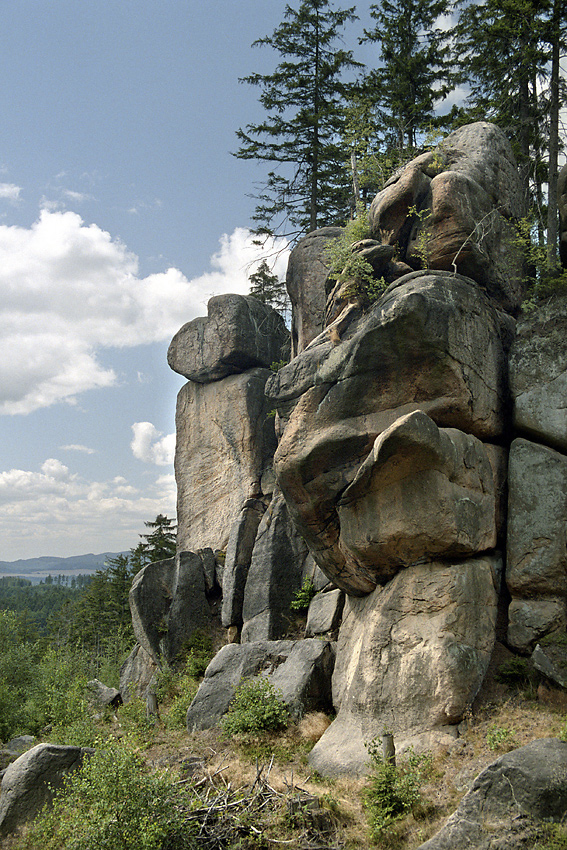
48 564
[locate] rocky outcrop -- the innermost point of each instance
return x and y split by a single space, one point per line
393 420
536 552
239 333
411 657
299 670
510 800
538 375
433 343
31 780
225 442
307 274
455 208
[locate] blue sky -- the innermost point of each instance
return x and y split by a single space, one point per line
121 212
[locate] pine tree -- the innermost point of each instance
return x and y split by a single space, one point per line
268 288
301 132
160 544
502 59
510 59
414 69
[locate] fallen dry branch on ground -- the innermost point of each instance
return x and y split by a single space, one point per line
224 814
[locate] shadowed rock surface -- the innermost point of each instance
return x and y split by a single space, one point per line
508 799
29 782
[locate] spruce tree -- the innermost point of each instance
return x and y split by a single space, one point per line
509 56
300 134
414 69
268 288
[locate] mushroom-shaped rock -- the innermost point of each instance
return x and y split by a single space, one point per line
239 333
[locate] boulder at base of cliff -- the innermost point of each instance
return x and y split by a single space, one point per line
300 670
29 782
509 800
411 656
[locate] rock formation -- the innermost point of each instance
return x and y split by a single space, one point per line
415 468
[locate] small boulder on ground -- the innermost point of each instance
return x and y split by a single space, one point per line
29 782
509 800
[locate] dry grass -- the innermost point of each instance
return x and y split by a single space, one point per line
503 718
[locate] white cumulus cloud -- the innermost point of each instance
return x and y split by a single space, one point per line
10 191
149 444
41 511
69 290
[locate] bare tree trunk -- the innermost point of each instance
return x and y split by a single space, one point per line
553 141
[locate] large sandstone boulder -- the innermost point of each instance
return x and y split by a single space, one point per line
411 657
231 664
307 273
536 554
422 492
300 672
433 342
452 208
509 800
538 374
240 333
225 441
168 602
275 574
30 781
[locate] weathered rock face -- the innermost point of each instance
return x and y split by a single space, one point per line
225 441
434 343
240 333
30 782
509 800
300 670
411 656
275 574
536 558
451 209
538 374
307 273
238 558
168 602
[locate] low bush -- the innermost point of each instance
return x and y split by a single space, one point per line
255 707
112 803
393 791
500 738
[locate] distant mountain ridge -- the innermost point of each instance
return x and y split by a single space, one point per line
50 564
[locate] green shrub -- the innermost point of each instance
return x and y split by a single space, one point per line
134 720
515 671
112 803
393 791
255 707
303 596
500 738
